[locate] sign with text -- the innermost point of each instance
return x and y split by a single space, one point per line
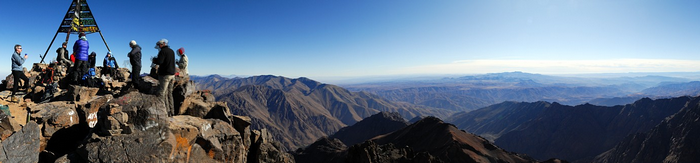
79 19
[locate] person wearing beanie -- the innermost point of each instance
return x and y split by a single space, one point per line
62 55
109 65
17 70
135 59
80 48
166 73
182 63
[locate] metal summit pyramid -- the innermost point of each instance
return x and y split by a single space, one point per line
78 19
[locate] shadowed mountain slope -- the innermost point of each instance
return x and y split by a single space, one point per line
378 124
676 139
428 140
584 131
447 143
493 121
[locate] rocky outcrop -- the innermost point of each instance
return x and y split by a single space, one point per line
116 122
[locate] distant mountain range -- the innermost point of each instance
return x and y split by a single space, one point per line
550 130
336 122
474 92
299 111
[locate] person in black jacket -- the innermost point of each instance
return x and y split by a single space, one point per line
166 72
92 59
135 59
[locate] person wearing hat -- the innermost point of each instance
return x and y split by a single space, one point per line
135 59
166 72
80 48
17 70
182 63
109 65
63 55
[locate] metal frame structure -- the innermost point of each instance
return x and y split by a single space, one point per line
78 19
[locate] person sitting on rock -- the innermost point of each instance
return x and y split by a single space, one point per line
62 55
109 65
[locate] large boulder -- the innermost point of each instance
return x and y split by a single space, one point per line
7 125
54 116
81 93
265 149
198 105
144 111
181 90
154 144
218 138
22 146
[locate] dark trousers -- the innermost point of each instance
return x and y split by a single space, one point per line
19 75
109 71
136 75
79 69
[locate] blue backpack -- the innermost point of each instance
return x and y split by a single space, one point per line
90 74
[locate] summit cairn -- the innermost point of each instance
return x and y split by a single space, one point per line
116 122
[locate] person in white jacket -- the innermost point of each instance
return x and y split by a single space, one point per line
182 63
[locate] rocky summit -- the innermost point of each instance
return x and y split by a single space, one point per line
114 121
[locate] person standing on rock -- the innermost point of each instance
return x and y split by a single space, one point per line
135 59
182 63
80 48
166 73
62 55
17 70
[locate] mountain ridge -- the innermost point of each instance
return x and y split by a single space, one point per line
545 130
299 111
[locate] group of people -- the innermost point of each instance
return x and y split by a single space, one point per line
80 63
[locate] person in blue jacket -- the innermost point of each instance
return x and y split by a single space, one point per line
17 70
80 48
109 65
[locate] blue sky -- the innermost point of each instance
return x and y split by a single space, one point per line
324 39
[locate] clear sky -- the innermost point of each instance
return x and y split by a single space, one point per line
349 38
